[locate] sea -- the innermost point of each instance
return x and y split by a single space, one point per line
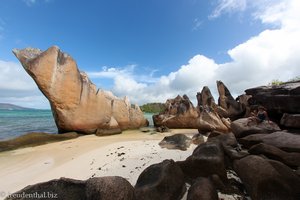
14 123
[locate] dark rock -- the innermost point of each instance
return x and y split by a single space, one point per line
110 187
163 181
202 189
244 126
290 120
162 129
234 109
290 159
281 139
198 139
225 139
277 99
177 141
63 188
181 113
35 139
262 181
206 160
289 176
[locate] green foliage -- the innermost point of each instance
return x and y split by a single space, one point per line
276 82
153 107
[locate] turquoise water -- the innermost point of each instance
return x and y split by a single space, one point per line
14 123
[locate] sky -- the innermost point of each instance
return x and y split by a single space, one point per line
153 50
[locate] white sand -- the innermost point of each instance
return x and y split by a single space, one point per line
125 155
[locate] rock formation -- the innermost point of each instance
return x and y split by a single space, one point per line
277 99
76 103
181 113
231 108
177 141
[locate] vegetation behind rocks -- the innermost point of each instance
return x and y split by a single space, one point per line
153 107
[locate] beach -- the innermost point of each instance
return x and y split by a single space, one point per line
126 155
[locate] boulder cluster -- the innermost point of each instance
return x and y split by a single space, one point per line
264 158
207 116
264 155
77 105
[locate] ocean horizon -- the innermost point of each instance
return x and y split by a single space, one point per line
14 123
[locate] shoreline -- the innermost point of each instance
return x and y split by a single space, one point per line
126 155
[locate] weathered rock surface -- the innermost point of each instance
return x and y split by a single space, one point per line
176 141
290 120
76 103
264 181
281 139
198 139
110 187
206 160
202 189
163 181
277 99
180 113
63 188
232 108
291 159
243 127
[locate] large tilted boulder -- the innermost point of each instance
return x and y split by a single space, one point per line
76 103
277 99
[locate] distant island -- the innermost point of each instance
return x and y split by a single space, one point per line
8 106
153 107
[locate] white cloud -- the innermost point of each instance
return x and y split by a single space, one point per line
197 24
272 54
32 2
228 6
17 87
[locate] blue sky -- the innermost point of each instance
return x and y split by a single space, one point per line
153 50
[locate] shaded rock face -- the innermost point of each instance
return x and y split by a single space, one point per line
163 181
177 141
232 108
281 139
277 100
264 181
290 120
291 159
111 187
62 188
243 127
203 189
76 103
206 160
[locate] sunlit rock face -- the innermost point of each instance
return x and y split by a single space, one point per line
76 103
